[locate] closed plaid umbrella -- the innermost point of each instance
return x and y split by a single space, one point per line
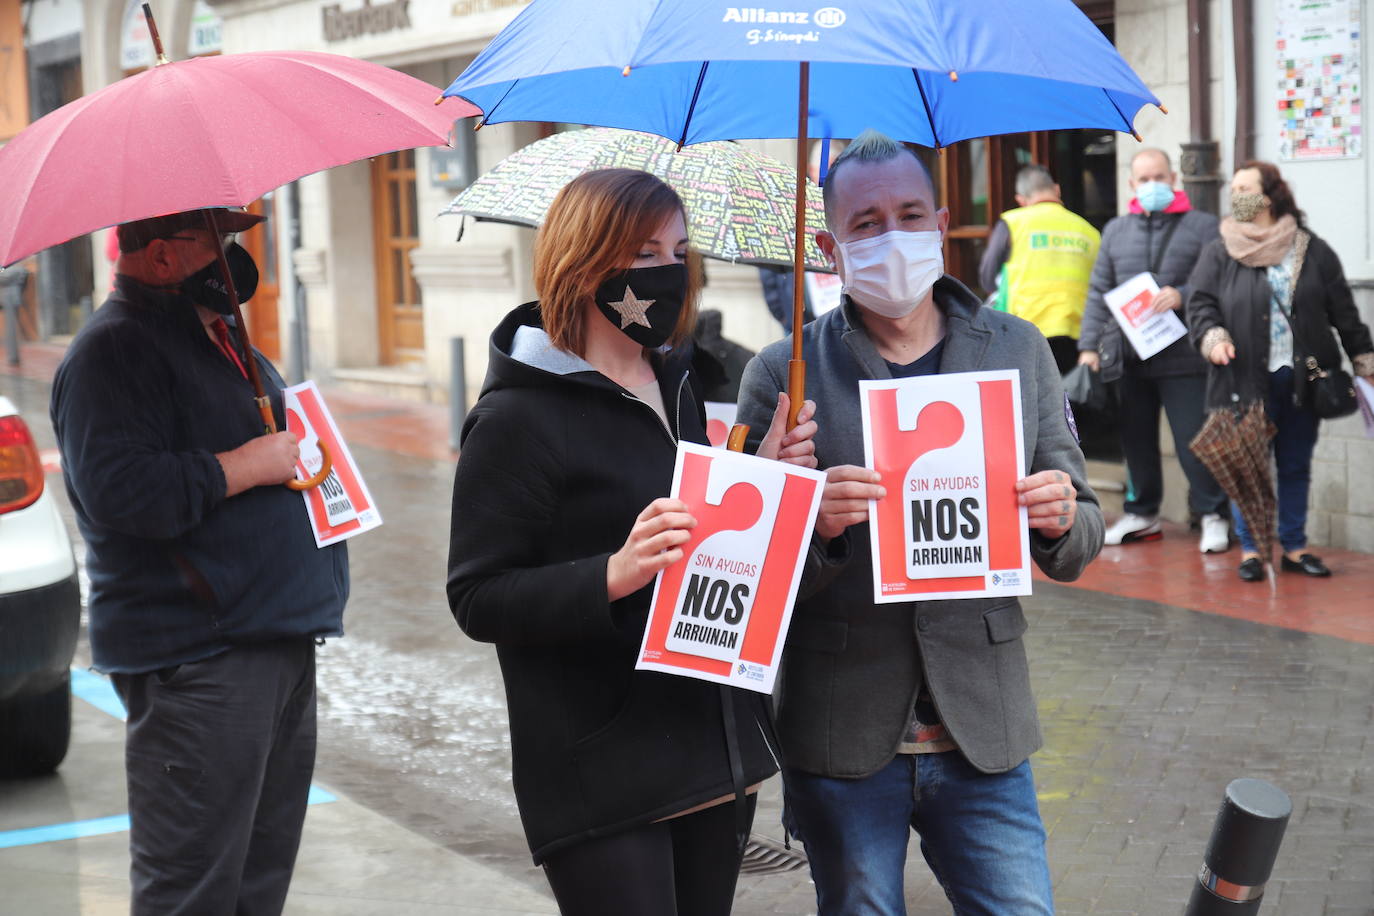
1234 445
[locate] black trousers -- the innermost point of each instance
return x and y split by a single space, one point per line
218 757
1182 397
686 866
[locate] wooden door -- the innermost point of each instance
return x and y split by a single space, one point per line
400 311
264 323
976 181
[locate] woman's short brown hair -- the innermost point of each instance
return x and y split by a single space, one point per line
1272 186
594 229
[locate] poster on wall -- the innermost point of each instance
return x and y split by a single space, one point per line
1318 53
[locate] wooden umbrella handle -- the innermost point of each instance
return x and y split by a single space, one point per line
738 433
310 483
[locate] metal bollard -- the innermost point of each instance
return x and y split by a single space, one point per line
1240 855
12 331
457 392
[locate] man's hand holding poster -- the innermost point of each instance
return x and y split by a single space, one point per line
721 613
341 506
949 451
1132 305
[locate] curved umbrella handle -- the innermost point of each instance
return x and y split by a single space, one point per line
326 465
738 433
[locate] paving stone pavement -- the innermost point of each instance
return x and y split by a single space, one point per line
1148 712
1160 678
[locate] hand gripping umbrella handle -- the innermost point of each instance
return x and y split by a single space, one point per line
310 483
260 398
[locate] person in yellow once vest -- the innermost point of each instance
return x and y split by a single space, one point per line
1039 258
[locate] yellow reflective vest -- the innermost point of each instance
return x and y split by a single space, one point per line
1045 279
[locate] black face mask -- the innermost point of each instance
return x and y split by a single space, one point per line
206 286
644 302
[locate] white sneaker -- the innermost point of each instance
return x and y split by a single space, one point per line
1133 528
1216 534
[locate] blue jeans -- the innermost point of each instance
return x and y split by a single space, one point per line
1293 446
980 834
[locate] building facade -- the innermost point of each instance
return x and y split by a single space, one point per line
366 285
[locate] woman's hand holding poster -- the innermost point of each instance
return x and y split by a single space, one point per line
949 450
721 613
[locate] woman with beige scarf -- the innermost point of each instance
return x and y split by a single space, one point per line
1265 296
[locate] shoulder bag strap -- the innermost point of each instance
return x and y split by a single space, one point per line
1158 260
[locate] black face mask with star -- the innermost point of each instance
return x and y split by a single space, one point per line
644 302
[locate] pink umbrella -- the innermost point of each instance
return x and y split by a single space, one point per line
208 132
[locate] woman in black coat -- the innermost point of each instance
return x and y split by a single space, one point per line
1267 268
633 786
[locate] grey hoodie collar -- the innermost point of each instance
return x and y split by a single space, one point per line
533 347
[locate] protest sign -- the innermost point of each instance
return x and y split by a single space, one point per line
340 507
721 613
1364 394
949 449
720 418
823 291
1130 304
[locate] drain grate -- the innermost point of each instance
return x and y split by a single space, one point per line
763 856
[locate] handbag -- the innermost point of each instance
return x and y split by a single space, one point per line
1085 388
1328 393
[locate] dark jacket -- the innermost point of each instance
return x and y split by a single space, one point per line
1228 294
852 668
141 403
717 362
1130 244
557 463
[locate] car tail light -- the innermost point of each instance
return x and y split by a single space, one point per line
21 470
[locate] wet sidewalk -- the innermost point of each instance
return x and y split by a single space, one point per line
1160 678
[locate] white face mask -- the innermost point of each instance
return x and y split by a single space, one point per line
891 274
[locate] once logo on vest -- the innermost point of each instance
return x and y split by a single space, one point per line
1059 241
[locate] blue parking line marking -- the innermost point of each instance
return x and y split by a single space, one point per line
52 833
97 690
319 796
118 823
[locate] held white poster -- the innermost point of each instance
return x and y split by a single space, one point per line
949 449
721 613
720 419
341 506
1130 304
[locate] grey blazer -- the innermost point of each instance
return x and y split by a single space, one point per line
852 668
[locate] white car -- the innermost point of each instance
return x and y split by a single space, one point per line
40 609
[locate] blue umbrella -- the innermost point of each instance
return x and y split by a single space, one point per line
931 72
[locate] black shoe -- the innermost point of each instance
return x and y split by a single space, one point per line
1307 564
1251 570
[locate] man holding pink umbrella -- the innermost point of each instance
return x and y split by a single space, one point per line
207 592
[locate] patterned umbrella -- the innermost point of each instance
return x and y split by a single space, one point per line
1234 445
739 203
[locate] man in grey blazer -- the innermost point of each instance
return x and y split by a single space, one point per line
913 715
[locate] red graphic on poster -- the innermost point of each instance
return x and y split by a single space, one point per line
950 523
341 506
735 602
1138 309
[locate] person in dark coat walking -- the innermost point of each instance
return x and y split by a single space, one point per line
632 785
1266 267
1164 235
